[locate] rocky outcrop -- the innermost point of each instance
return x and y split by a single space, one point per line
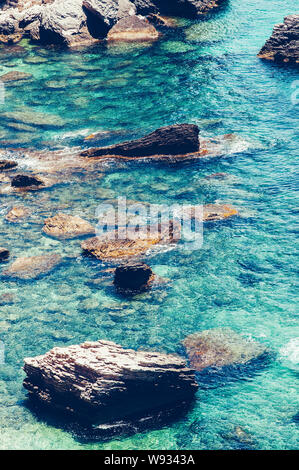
32 267
4 254
64 226
133 28
221 347
283 45
101 385
132 277
171 140
110 248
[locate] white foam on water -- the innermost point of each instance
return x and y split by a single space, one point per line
290 353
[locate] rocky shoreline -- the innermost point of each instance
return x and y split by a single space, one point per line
283 45
83 22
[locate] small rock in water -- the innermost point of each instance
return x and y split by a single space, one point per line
221 347
133 277
17 214
25 181
67 226
4 254
32 267
7 299
7 165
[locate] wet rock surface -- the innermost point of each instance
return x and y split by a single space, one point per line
64 226
32 267
107 388
283 45
221 347
15 76
171 140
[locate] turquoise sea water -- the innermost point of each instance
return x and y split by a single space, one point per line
244 277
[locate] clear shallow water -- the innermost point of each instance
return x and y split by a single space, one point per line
245 275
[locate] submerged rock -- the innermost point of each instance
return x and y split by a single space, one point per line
108 388
7 165
67 226
32 267
4 254
221 347
213 212
17 214
15 76
28 117
171 140
133 277
25 181
133 28
283 45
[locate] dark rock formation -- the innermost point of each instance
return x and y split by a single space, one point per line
221 347
4 254
132 277
32 267
7 165
171 140
283 45
25 181
64 226
133 28
104 387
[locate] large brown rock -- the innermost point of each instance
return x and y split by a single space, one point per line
221 347
32 267
133 28
101 383
283 45
65 226
171 140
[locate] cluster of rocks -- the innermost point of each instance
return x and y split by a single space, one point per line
82 22
109 390
283 45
